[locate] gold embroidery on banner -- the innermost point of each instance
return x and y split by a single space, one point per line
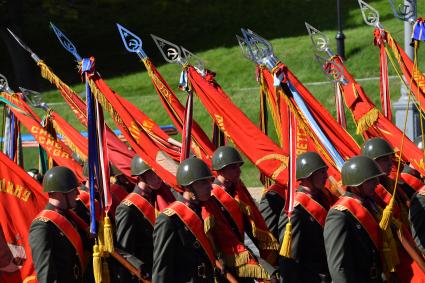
275 156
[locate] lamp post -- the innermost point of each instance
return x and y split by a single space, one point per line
340 48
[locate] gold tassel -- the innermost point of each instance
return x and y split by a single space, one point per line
108 237
285 249
97 264
386 215
208 224
367 120
105 273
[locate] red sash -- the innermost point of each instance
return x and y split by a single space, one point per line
231 205
362 215
67 229
194 223
118 192
279 189
142 205
313 207
412 181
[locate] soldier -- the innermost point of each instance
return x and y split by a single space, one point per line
351 232
135 216
239 208
57 245
182 251
312 202
382 152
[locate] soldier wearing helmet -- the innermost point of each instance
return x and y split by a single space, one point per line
307 262
382 152
229 191
135 216
57 245
182 251
352 233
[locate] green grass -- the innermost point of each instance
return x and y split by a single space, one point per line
237 77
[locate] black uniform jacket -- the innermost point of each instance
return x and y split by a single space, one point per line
417 219
178 257
54 257
352 256
308 255
134 235
271 206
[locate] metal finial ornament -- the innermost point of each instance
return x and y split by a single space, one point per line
193 60
170 51
320 40
370 14
259 48
24 46
131 41
333 71
4 84
33 98
65 42
405 11
245 49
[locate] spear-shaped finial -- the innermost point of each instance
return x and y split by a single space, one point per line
405 11
319 40
131 41
65 42
259 49
4 84
34 98
173 53
370 14
24 46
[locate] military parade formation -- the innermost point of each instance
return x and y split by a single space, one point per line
141 206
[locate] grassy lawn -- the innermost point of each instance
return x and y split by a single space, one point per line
237 76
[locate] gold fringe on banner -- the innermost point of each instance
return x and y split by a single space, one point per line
266 240
367 120
68 141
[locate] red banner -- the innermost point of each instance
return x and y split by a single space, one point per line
415 79
270 159
371 122
133 131
201 145
72 137
384 86
21 200
53 146
119 153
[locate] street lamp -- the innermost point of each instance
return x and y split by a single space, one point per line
340 48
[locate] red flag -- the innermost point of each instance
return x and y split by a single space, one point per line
371 122
201 145
384 86
270 159
53 146
135 134
119 153
76 141
21 199
415 79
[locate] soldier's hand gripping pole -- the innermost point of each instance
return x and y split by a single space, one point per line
133 270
